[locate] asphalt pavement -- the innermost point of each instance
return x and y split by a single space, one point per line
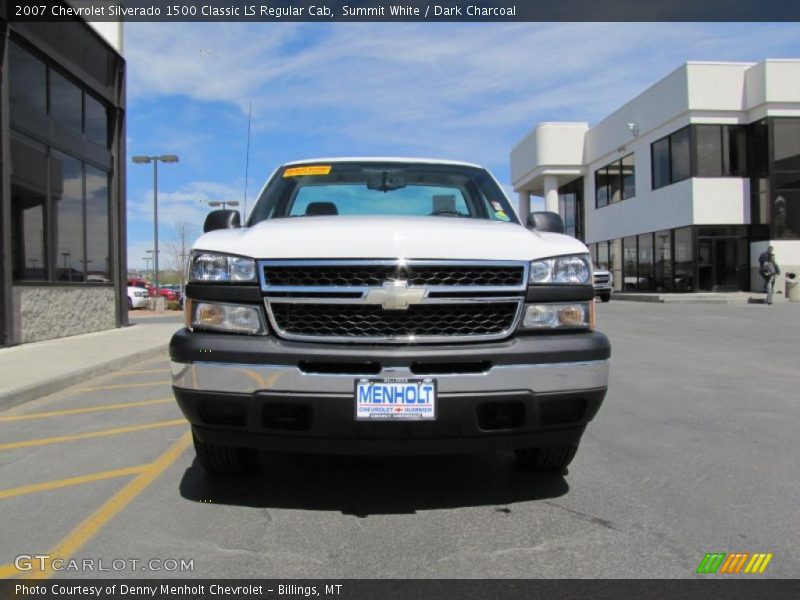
695 450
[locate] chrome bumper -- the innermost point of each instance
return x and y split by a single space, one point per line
246 379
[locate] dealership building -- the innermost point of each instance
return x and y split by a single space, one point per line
684 186
62 179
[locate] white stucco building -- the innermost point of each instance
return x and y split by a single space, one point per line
684 186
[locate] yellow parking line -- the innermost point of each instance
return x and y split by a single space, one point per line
69 482
95 522
121 386
90 434
81 411
146 372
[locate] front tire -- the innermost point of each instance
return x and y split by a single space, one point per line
605 297
221 460
550 458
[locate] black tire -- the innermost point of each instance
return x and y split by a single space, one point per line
130 304
605 297
224 459
551 458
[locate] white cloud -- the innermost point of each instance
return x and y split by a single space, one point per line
452 90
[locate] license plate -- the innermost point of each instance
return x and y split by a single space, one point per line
413 399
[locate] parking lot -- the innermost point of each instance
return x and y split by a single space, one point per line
695 450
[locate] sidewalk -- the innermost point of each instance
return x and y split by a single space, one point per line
698 297
33 370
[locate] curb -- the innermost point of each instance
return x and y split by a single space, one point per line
32 392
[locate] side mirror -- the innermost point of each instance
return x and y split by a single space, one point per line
546 221
222 219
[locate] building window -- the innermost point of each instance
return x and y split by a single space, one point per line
570 207
630 272
96 121
786 179
671 158
684 260
27 79
66 193
646 276
66 102
663 261
98 247
28 209
720 150
615 182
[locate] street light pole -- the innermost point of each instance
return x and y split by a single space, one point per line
166 158
155 221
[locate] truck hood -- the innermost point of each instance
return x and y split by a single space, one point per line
388 237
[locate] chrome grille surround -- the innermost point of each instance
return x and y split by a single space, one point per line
444 294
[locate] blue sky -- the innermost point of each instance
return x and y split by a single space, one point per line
457 91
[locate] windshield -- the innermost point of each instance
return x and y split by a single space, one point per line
369 188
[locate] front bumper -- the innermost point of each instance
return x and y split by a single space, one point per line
268 393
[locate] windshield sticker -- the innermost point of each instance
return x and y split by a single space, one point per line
310 170
499 212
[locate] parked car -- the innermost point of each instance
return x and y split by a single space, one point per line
404 309
143 284
603 283
137 297
169 294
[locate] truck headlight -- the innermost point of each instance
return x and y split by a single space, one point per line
571 269
210 266
571 315
232 318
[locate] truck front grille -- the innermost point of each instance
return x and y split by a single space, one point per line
371 321
376 274
392 300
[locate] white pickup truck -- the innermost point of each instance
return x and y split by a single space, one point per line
387 306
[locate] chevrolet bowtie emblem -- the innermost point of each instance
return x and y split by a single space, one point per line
395 295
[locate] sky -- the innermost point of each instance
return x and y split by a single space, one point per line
462 91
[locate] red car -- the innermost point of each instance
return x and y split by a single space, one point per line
170 295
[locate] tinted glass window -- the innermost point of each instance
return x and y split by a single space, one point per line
602 255
98 259
684 253
27 79
65 102
601 187
660 156
646 274
28 199
680 155
734 149
96 121
629 266
628 177
67 196
709 150
786 133
614 183
390 189
663 261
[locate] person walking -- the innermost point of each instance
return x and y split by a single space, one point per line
769 270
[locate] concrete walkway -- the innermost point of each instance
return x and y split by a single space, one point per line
699 297
33 370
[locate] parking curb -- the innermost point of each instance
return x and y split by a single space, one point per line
16 397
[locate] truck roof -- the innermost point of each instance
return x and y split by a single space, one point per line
379 159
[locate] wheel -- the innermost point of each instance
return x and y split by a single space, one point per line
605 297
550 458
223 459
130 304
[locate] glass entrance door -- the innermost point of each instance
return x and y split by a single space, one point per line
722 264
